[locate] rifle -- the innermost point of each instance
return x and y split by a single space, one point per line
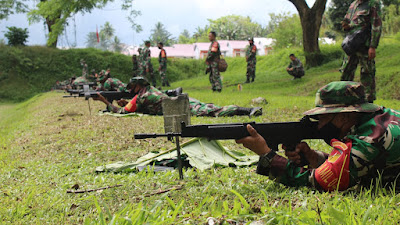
109 95
286 133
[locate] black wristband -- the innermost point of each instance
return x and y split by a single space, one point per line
264 164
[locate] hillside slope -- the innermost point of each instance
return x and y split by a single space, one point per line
27 71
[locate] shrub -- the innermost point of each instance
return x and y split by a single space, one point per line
16 36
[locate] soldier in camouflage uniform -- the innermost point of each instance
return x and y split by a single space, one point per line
135 66
295 67
162 59
147 70
365 140
149 101
109 84
251 61
212 61
139 63
363 14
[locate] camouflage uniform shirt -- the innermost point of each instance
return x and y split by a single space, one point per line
364 14
375 140
212 60
112 84
296 65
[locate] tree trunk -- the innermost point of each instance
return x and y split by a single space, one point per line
50 23
311 20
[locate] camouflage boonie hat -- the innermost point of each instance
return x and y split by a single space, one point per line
102 75
341 96
137 80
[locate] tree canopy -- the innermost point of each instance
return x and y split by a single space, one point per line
9 7
160 34
57 12
287 30
235 27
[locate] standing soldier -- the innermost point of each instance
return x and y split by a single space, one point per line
135 66
140 63
146 63
85 70
363 15
251 61
162 59
212 62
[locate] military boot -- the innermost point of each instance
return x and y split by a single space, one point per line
247 80
167 83
174 92
241 111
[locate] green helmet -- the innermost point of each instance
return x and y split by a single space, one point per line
137 80
340 97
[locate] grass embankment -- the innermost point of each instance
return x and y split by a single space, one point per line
50 144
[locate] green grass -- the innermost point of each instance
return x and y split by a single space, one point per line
49 144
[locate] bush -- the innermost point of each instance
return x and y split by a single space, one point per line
26 71
16 36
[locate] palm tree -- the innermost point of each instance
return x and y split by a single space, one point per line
91 40
160 34
117 45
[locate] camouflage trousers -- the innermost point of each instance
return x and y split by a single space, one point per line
296 73
149 76
367 72
198 108
215 78
251 71
163 75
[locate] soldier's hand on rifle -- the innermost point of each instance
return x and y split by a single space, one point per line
122 102
100 98
255 142
310 155
147 70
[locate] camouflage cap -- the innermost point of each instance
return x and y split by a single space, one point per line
341 96
137 80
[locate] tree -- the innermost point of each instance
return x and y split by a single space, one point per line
311 19
287 32
8 7
160 34
117 46
234 27
201 34
16 36
91 40
184 38
57 12
336 13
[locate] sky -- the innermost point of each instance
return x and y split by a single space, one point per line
176 15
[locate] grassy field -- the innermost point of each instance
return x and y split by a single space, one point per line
50 144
